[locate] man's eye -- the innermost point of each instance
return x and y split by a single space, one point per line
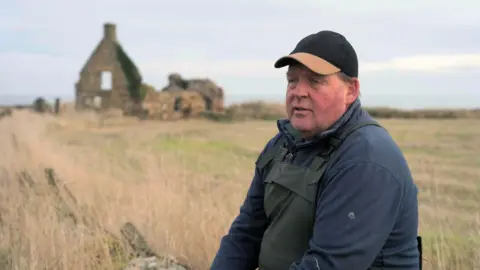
317 80
314 80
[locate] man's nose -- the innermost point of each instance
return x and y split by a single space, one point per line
300 90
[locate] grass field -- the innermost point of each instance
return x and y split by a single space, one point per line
181 184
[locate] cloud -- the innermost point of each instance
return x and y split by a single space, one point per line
218 68
233 42
28 72
426 63
264 68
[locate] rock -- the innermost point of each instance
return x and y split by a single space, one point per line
154 263
146 258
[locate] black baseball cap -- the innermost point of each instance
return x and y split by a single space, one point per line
325 53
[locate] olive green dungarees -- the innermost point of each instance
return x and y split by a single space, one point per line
290 201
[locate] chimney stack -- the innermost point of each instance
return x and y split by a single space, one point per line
109 31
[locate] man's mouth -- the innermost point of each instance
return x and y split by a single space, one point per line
300 109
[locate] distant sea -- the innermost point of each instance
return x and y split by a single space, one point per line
394 101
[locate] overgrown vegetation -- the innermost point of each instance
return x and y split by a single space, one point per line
261 110
144 89
181 183
131 72
424 113
256 110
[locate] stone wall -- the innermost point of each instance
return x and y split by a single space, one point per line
173 105
212 94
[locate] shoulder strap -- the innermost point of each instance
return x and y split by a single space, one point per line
338 138
334 142
322 157
270 154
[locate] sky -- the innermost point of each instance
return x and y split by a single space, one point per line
412 55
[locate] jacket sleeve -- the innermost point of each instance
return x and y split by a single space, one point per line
239 249
355 215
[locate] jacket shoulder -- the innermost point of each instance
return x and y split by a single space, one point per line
374 145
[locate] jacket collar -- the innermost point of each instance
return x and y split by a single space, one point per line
295 140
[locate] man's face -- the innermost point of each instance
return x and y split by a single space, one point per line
314 102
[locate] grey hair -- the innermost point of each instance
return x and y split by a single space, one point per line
344 77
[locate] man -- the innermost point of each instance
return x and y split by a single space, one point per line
331 190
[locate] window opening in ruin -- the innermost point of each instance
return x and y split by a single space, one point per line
178 104
106 80
208 103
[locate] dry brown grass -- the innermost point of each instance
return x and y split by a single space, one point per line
182 184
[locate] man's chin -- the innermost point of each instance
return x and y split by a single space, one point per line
301 125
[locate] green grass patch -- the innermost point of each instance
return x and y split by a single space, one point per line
200 146
207 156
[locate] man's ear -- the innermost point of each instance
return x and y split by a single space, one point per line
353 90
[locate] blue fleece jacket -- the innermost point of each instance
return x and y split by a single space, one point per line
367 211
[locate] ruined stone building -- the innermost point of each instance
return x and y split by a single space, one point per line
206 88
109 78
183 98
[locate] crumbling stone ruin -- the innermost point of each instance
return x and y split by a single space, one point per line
39 105
211 93
183 98
109 78
57 106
